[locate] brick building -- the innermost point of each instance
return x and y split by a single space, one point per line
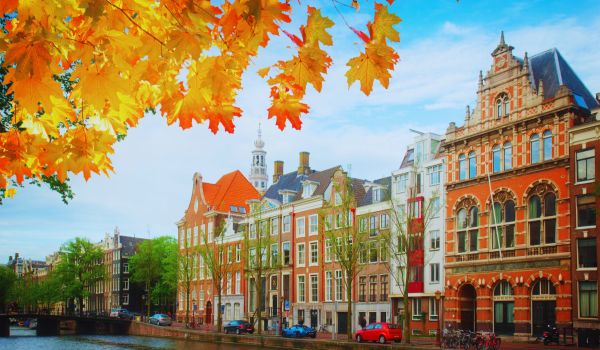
584 167
508 264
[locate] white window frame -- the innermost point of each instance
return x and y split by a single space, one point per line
286 223
301 258
434 273
416 305
274 226
314 298
300 227
328 250
434 236
339 290
313 246
238 282
313 228
328 285
301 297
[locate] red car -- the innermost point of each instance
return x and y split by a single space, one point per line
381 332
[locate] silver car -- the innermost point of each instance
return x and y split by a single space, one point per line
160 320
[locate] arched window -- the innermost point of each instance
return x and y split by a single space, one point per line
507 156
547 139
462 167
467 229
472 165
503 288
534 145
542 219
496 160
543 287
502 228
502 106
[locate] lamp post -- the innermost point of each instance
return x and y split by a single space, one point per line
438 334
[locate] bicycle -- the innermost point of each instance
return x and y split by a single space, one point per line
323 329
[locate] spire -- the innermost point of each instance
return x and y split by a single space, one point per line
468 113
526 62
259 143
258 170
502 46
480 80
502 42
541 88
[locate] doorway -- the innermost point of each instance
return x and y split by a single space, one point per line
342 322
314 318
504 306
543 306
467 303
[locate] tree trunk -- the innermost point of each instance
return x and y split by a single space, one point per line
80 302
148 300
219 314
406 325
349 320
259 303
187 304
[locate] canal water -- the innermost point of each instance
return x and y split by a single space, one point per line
25 339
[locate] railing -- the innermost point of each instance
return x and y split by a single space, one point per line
505 254
383 297
466 257
372 298
542 250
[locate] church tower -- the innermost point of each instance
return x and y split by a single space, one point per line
258 170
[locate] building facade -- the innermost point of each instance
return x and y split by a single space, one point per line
508 227
584 167
419 183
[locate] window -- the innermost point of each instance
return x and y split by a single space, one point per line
435 240
496 159
300 316
338 285
229 283
383 247
383 280
502 228
307 189
547 139
462 167
384 221
543 287
275 226
419 183
534 145
362 289
301 254
435 273
586 211
286 252
300 229
468 229
327 250
503 288
377 195
401 182
313 226
301 290
286 224
433 309
328 318
586 253
238 282
238 252
372 288
472 165
502 106
362 253
328 223
435 173
314 253
435 207
337 199
314 288
373 225
274 254
252 231
126 284
328 285
230 254
585 165
542 219
507 156
416 309
125 267
125 299
588 299
373 248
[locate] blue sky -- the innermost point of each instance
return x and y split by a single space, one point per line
443 46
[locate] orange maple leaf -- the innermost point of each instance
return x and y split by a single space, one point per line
374 64
285 106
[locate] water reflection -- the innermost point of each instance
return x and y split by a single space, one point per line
23 338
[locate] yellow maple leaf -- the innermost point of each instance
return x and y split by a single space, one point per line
374 64
316 27
383 24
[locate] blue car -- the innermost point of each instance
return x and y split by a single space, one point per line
299 331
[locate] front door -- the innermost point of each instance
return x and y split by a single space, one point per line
342 322
504 322
314 317
467 303
542 314
274 305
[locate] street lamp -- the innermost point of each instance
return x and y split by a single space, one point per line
438 334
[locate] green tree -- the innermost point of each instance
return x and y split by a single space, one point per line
7 281
79 268
259 260
214 254
155 266
343 233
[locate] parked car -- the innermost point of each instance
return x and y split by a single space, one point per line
381 332
299 331
160 320
123 314
239 327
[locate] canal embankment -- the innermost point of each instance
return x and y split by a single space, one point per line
262 341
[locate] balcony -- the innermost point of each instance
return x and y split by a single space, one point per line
415 287
505 254
467 257
543 250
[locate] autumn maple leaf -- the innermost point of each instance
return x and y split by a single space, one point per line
374 64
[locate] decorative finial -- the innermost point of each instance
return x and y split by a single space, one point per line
259 143
468 113
525 61
480 79
541 88
502 43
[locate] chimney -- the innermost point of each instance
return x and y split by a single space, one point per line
303 166
277 170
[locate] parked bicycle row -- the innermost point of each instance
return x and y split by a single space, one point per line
465 339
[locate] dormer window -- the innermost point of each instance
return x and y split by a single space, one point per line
287 196
308 188
377 195
502 106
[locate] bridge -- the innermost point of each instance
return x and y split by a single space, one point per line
51 324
